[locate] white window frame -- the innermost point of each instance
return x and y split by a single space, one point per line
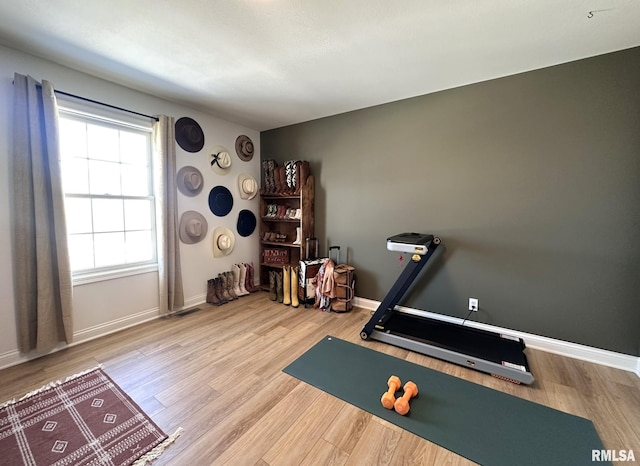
105 116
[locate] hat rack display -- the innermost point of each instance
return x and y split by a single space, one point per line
193 227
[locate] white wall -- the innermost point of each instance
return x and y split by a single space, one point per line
107 306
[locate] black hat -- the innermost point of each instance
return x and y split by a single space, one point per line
189 134
220 201
246 222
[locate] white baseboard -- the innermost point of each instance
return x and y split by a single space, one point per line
550 345
12 358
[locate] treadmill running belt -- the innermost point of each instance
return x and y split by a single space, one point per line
454 337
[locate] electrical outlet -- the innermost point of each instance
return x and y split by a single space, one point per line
473 304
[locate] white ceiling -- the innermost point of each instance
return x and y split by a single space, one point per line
271 63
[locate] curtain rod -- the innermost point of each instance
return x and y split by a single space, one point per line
104 104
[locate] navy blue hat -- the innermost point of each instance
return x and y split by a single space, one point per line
220 201
246 222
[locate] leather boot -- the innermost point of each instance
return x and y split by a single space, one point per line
251 281
210 290
243 279
276 180
284 181
273 292
296 178
286 285
304 172
212 298
229 278
224 287
294 287
265 177
219 290
235 272
279 291
298 236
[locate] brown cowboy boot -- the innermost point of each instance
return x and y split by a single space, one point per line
304 172
219 290
273 292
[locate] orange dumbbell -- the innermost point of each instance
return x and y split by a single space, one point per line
389 398
402 404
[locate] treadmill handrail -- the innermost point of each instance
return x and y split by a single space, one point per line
399 288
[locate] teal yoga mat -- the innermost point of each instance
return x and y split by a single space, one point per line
484 425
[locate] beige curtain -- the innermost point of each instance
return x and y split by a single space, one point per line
43 285
171 293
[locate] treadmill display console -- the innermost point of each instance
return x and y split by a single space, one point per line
411 243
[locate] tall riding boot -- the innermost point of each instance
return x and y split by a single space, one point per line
235 271
273 292
294 287
219 290
279 292
286 285
243 278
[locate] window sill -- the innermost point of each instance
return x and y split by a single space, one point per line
93 277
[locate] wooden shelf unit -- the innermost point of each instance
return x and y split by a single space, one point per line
305 202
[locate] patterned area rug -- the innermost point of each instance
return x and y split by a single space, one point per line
85 420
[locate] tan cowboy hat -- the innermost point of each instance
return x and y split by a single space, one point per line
220 160
247 185
193 227
223 241
189 181
244 148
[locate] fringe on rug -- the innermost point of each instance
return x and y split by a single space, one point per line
158 450
48 386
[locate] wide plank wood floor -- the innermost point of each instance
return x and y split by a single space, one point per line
217 373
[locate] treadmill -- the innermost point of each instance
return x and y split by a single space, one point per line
493 353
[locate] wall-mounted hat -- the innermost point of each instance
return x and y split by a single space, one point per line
189 134
220 201
244 148
223 241
189 181
246 222
193 227
247 185
220 160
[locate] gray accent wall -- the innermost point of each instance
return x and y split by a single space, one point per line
531 181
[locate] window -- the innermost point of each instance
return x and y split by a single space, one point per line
109 198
